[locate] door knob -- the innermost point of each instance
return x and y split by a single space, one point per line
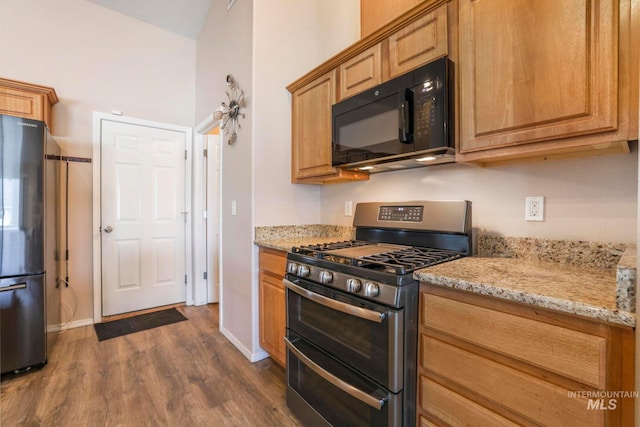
108 229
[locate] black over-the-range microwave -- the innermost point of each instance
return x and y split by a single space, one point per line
403 123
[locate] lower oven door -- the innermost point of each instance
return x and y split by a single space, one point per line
324 392
364 335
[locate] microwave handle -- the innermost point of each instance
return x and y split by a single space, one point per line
404 130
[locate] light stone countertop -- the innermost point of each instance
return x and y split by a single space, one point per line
285 237
575 289
583 278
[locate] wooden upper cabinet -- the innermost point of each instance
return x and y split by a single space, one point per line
361 72
311 108
544 71
27 100
374 14
311 134
420 42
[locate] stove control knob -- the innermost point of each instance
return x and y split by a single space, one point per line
325 277
353 285
292 268
303 271
371 289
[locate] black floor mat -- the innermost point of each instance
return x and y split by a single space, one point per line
118 328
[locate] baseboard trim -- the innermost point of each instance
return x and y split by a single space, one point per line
253 357
70 325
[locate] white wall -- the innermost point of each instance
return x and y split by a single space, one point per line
225 47
290 39
265 45
97 60
592 198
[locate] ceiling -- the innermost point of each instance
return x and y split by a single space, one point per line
184 17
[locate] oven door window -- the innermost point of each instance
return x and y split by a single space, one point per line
372 346
327 386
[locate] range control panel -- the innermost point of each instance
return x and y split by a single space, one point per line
401 213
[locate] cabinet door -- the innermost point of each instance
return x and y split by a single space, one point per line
311 128
272 316
534 71
419 42
21 104
361 72
27 100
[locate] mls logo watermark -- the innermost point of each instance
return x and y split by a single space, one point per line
603 400
602 404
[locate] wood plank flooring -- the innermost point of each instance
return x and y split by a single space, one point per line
183 374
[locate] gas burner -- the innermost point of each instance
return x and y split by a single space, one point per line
407 260
390 258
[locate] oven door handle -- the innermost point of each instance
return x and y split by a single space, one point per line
362 396
363 313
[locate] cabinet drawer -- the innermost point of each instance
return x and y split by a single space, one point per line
273 261
361 72
419 42
454 409
531 397
564 351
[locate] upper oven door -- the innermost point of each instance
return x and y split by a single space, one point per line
366 336
375 123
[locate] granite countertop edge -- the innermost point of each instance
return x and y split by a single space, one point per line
286 237
564 305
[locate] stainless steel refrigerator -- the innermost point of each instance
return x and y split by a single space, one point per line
29 213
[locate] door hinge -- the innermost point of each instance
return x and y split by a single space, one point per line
185 154
205 152
185 279
204 275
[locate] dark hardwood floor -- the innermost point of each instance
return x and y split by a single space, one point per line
183 374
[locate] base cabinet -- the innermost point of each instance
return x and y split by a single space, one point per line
272 303
489 362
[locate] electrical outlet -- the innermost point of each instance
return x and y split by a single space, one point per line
348 208
534 208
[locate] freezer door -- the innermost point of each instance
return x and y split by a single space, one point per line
22 196
22 323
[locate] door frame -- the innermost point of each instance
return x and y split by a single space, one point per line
98 118
200 238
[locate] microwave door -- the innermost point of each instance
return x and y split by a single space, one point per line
373 130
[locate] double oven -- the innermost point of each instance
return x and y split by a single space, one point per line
352 313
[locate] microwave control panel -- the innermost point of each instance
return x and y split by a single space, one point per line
426 111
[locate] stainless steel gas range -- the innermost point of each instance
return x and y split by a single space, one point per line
352 313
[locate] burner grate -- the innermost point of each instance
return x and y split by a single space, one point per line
398 262
407 260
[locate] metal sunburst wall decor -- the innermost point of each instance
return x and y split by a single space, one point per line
230 113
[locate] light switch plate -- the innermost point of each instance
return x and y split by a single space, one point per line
348 208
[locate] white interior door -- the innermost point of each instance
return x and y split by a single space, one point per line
143 217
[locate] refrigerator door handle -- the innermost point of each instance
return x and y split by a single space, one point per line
14 287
